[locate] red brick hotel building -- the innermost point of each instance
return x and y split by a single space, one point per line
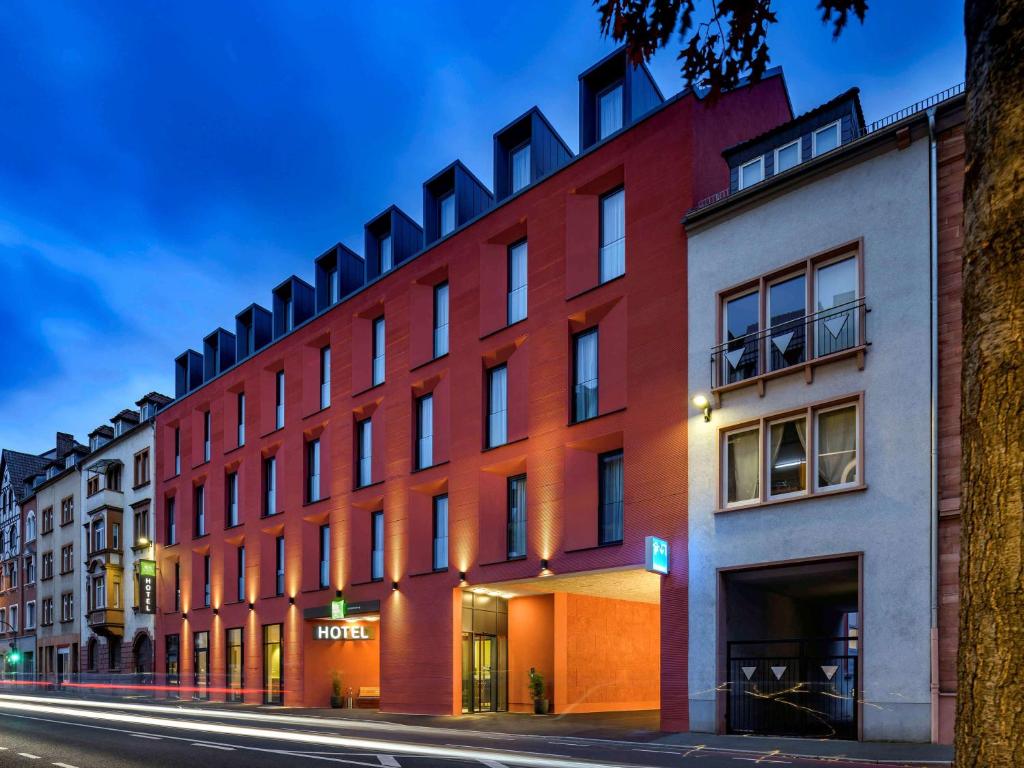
467 435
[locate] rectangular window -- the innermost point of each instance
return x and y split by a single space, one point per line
610 497
787 458
115 536
177 586
241 419
270 486
613 235
47 525
787 306
741 323
30 569
835 321
67 510
273 675
446 210
141 468
279 565
517 261
207 427
325 556
240 565
13 618
585 375
201 664
378 351
67 607
377 546
177 450
743 466
235 663
47 565
835 436
206 581
141 523
67 558
384 254
332 285
279 400
172 649
609 111
200 512
440 532
232 500
497 406
519 161
313 471
364 431
441 320
30 615
325 377
424 431
751 173
517 516
46 619
787 156
172 523
825 139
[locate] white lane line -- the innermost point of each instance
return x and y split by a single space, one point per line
763 760
656 751
65 765
29 756
212 746
493 764
145 736
389 761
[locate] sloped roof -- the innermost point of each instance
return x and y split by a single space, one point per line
22 466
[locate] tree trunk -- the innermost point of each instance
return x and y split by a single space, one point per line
990 706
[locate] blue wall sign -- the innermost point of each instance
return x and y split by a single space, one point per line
656 555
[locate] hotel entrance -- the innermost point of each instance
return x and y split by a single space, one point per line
341 649
484 652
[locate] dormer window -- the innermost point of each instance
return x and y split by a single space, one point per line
520 167
288 316
384 254
787 156
825 139
609 110
69 460
751 173
446 209
118 428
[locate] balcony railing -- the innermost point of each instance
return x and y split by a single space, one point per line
107 620
789 344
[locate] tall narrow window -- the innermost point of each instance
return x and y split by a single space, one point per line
440 532
441 320
273 675
172 522
497 406
609 111
332 285
177 585
741 324
241 419
288 314
313 471
517 259
446 211
378 350
279 400
836 438
517 516
270 486
364 470
232 500
384 255
742 463
206 581
177 450
325 377
519 161
787 457
425 431
207 428
279 565
613 235
787 302
377 546
585 375
240 566
836 294
171 651
325 556
610 493
200 512
235 663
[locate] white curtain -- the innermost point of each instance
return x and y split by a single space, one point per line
517 259
497 428
613 235
837 447
426 436
441 320
586 376
610 112
743 466
520 168
611 503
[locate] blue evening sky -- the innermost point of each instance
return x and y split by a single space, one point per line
163 165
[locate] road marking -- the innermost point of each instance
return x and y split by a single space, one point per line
65 765
763 760
657 751
29 756
389 761
145 736
493 764
212 746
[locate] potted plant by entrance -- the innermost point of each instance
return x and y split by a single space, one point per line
540 704
336 697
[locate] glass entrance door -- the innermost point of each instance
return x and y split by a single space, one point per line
485 673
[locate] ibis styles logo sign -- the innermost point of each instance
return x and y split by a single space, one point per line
656 550
147 586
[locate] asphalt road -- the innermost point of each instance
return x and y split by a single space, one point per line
37 731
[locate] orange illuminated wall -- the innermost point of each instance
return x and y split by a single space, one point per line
531 643
358 661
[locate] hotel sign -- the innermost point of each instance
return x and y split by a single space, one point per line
656 555
147 586
342 632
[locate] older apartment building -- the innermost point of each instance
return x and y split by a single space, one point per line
444 462
823 304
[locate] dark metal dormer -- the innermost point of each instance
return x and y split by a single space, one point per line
254 329
525 151
814 133
613 95
339 272
391 238
100 436
151 403
218 353
124 421
188 372
293 305
450 199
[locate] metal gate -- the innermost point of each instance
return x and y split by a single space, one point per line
793 687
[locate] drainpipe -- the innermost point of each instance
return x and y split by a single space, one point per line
933 232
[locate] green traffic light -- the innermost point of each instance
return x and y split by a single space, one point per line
13 656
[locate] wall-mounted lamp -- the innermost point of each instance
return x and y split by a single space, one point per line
701 403
216 612
337 593
184 617
143 541
462 577
291 600
252 606
544 570
394 586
